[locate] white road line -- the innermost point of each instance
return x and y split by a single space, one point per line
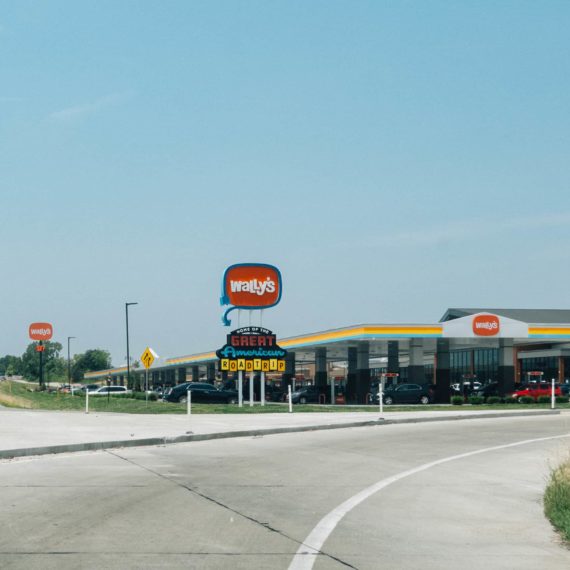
310 548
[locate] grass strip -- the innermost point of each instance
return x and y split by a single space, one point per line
20 395
557 500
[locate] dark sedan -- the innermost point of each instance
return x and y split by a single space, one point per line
408 394
309 394
201 393
491 389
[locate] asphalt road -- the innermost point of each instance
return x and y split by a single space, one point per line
255 502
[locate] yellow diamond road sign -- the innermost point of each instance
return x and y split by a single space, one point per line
148 357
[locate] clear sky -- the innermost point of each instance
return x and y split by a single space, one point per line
392 158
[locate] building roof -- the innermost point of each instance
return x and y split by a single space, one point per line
542 316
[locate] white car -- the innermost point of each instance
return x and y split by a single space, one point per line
476 385
110 390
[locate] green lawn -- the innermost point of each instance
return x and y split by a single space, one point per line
18 395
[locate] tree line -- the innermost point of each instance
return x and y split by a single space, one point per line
55 365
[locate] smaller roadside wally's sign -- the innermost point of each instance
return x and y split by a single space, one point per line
251 286
40 331
252 349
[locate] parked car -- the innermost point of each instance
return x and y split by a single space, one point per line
456 388
202 393
88 388
306 395
491 389
110 390
158 391
274 394
536 390
408 394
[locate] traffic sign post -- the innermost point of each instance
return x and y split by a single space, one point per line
147 358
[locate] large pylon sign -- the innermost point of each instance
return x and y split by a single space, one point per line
250 286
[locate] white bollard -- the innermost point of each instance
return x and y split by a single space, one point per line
189 402
290 399
552 397
86 401
380 397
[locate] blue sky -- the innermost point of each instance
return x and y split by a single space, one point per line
392 158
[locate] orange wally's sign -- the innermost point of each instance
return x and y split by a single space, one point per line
41 331
250 286
486 325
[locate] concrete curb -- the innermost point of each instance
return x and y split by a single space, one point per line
149 441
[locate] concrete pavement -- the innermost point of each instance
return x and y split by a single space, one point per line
38 432
251 503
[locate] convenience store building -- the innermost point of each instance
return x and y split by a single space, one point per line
507 346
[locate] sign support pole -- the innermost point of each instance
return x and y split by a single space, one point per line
146 384
290 399
240 388
251 376
332 391
552 396
262 389
41 365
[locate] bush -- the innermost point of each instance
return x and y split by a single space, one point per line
557 500
526 400
493 400
561 399
457 400
543 400
511 400
153 396
476 400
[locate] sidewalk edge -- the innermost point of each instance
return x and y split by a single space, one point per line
150 441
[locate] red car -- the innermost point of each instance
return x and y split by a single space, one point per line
536 390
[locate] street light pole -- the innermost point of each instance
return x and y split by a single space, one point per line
69 365
128 355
